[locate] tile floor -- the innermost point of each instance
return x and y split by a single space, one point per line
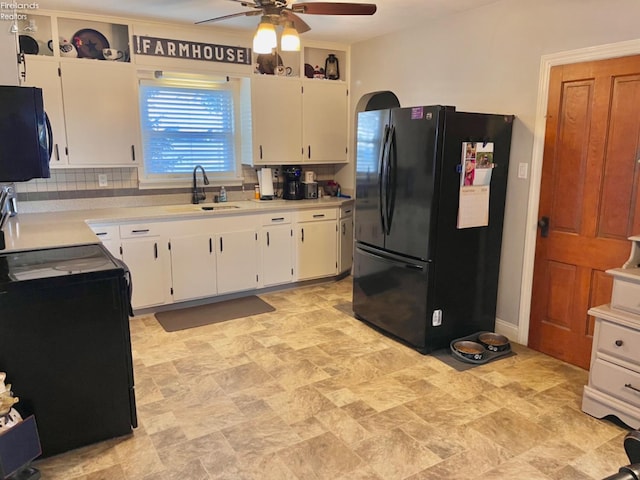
307 392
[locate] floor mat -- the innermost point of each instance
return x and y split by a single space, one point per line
445 356
174 320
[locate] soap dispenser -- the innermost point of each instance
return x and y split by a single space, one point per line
223 194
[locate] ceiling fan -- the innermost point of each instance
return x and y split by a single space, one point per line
279 12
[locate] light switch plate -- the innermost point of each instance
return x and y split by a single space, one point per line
102 180
523 170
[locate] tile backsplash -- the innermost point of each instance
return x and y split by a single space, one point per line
80 184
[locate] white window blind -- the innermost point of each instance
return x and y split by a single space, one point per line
187 126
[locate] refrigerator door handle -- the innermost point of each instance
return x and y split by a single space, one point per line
391 177
409 265
381 170
49 135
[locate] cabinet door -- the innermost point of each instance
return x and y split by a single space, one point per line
101 113
193 267
277 258
317 250
276 106
237 261
346 244
146 261
324 120
44 74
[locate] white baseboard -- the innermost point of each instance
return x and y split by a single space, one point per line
507 329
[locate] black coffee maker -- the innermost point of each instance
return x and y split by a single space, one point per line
292 182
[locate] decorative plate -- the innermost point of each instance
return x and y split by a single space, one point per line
28 45
89 43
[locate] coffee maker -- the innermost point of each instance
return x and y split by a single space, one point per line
292 182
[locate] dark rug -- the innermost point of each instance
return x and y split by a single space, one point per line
174 320
445 356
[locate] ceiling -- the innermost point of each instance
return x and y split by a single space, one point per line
392 15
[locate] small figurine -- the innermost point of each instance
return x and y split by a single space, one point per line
8 415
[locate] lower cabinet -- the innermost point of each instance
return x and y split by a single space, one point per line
316 244
237 261
276 239
217 256
147 260
193 266
345 243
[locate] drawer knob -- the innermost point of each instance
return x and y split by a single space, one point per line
628 385
619 343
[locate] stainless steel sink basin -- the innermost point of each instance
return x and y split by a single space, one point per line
199 208
218 207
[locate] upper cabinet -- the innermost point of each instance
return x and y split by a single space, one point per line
93 109
324 122
276 104
298 114
89 88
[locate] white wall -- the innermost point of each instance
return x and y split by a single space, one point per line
488 60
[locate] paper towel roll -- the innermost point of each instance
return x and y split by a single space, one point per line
266 183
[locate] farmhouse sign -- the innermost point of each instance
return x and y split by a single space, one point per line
208 52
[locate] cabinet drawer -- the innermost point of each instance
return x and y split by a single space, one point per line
626 294
346 211
619 341
276 218
106 232
317 215
617 381
139 230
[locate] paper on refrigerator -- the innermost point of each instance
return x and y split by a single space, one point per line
475 180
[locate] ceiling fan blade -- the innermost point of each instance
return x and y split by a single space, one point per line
233 15
299 24
329 8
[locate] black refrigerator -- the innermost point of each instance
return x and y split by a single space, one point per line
420 274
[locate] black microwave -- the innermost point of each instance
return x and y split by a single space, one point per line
26 138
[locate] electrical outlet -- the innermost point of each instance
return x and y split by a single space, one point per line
102 180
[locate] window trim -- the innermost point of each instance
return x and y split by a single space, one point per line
186 79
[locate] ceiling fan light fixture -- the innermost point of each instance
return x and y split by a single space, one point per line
265 38
289 41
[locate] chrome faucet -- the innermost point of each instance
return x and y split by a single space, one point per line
197 196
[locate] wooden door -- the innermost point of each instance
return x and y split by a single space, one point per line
589 193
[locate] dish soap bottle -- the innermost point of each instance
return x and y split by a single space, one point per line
223 194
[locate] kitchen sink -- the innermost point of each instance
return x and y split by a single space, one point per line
199 208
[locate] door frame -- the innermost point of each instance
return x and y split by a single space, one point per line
599 52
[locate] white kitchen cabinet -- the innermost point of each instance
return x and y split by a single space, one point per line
237 260
277 249
324 121
93 109
101 113
109 235
316 244
193 266
276 104
145 252
44 73
345 246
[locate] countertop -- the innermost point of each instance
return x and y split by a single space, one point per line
32 231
